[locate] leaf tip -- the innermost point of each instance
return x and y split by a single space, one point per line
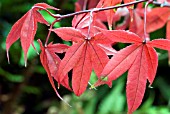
150 86
92 86
58 86
169 63
25 60
8 57
35 48
25 64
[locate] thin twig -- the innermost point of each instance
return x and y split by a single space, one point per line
53 15
145 12
100 9
48 36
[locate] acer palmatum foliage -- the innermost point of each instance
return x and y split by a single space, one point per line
92 43
26 27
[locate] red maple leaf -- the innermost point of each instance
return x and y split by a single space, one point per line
140 59
157 20
51 61
26 27
83 56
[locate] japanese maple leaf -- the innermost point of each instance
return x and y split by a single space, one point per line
83 56
157 19
25 28
140 59
51 61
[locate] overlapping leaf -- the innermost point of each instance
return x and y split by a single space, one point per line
140 59
157 20
83 56
51 61
25 28
109 13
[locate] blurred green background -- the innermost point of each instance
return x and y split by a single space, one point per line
28 91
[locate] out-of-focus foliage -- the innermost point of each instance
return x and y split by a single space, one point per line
28 91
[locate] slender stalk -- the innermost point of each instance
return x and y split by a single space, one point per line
48 36
145 12
53 15
100 9
90 21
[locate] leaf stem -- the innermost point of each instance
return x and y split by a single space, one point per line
99 9
53 15
48 36
145 12
90 22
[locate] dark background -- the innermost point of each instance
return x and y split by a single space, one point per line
28 91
